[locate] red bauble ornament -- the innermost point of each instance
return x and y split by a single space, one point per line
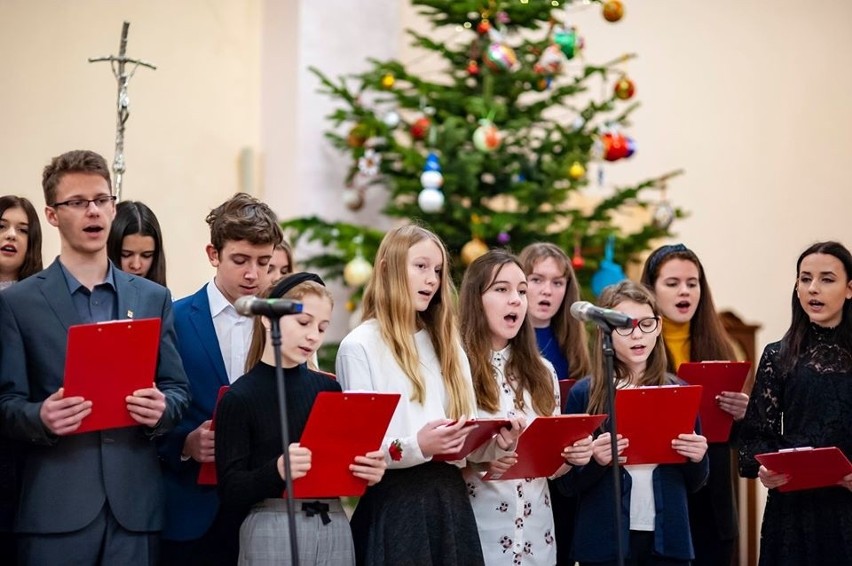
615 146
472 68
483 27
578 261
420 128
624 88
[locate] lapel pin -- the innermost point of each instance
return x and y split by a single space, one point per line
129 314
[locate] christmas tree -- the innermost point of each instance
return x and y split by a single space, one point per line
484 156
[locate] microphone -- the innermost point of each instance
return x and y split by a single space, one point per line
605 318
271 308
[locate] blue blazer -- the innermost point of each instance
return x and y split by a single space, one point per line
594 531
67 479
191 508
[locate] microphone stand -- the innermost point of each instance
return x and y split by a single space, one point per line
609 357
285 435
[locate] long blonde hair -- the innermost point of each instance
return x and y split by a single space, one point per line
570 333
524 365
387 298
655 369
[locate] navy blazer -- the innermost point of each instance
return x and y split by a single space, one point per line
594 531
191 508
67 479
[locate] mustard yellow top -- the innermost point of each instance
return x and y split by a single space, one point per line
676 337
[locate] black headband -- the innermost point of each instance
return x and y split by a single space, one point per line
658 256
282 287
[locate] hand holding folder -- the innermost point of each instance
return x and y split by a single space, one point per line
105 363
807 467
715 377
651 417
540 445
340 427
481 431
207 471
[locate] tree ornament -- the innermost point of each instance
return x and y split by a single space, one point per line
664 215
613 10
483 27
473 68
430 200
472 250
568 41
420 128
550 62
609 272
617 146
431 179
388 81
353 199
357 135
576 171
391 119
368 164
486 137
357 271
503 238
624 88
500 57
577 260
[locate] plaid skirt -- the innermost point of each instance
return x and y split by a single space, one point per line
322 533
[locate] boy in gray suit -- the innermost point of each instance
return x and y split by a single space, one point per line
96 497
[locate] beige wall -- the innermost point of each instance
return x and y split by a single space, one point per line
746 97
189 119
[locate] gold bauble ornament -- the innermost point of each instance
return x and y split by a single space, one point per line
388 80
613 10
472 250
576 171
357 272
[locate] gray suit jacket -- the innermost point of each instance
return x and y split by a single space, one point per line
67 479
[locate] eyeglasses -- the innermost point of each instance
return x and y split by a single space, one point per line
646 325
82 203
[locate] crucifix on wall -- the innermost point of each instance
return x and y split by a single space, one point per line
123 74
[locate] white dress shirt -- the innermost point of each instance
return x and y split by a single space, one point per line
233 331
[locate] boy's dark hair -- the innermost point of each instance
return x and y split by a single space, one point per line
243 217
76 161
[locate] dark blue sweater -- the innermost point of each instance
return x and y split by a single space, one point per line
594 532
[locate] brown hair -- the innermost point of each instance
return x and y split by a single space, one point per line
243 217
524 365
306 286
32 259
707 337
655 370
76 161
387 298
570 333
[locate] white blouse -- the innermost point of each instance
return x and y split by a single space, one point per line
365 363
514 517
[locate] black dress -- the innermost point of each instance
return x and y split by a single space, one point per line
809 406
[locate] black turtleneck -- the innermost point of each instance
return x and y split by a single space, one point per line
248 430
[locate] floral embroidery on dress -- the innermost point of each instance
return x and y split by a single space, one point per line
395 450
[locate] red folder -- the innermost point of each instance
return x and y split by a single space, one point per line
808 467
715 377
107 361
340 427
482 431
207 471
565 386
540 445
651 417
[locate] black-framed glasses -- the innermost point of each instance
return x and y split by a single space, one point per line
83 203
646 325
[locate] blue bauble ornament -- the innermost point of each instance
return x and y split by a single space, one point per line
609 272
432 162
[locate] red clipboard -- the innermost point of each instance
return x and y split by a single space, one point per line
651 417
340 427
483 430
565 386
715 377
207 471
540 445
808 467
107 361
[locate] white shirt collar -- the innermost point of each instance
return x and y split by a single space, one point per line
218 302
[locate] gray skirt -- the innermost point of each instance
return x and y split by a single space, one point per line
265 534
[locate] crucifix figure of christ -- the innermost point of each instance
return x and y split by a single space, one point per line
123 75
